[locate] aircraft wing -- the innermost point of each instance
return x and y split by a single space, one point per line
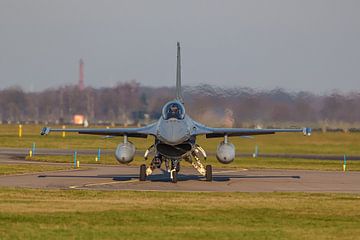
141 132
221 132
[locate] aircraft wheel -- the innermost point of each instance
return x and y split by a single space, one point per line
178 167
142 172
208 174
174 177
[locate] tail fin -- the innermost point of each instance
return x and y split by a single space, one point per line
178 76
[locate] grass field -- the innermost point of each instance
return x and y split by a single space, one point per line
60 214
7 169
296 143
291 143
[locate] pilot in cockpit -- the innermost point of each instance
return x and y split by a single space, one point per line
173 110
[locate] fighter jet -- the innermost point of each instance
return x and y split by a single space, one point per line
175 138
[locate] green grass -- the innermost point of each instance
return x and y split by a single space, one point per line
8 169
296 143
291 143
31 134
64 214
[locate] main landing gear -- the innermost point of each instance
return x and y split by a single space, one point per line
174 173
173 165
194 160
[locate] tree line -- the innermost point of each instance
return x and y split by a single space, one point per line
131 103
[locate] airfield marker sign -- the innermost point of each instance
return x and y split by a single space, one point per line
63 133
256 153
33 148
20 130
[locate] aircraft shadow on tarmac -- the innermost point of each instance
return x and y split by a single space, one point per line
180 177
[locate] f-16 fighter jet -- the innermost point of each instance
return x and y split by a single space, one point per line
175 138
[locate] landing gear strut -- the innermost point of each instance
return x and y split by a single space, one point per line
173 176
175 168
194 159
175 164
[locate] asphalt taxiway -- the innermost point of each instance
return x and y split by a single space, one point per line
120 177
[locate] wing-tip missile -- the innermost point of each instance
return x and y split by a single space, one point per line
45 131
307 131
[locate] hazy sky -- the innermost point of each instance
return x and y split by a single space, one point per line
297 45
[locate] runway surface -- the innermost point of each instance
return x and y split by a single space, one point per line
120 177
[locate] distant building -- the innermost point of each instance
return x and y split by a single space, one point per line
78 119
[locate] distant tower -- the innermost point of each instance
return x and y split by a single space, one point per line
81 75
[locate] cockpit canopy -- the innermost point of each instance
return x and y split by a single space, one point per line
173 110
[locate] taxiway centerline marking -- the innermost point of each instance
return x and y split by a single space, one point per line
136 180
104 183
109 183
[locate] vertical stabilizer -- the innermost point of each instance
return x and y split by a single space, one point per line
178 75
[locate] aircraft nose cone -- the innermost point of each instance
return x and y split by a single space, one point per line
173 131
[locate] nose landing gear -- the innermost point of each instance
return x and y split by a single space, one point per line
173 176
175 168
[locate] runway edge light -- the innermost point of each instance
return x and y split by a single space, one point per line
99 154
